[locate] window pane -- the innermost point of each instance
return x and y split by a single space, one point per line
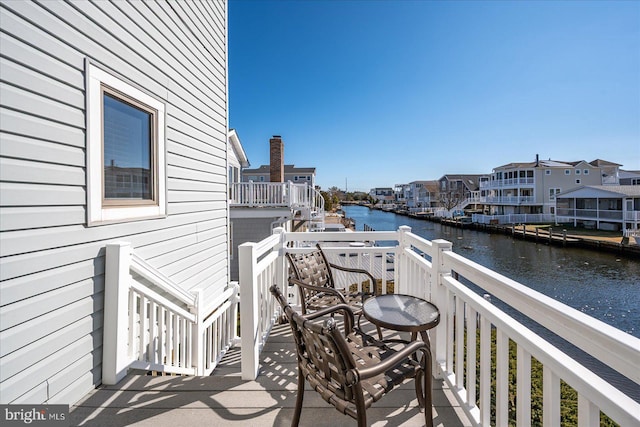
127 151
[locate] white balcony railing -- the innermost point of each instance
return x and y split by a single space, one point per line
153 325
271 194
431 270
508 200
502 183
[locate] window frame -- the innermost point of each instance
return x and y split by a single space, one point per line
99 210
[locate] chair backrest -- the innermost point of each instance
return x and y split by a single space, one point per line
312 268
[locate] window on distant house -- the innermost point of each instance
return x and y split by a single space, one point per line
577 171
547 172
125 151
586 171
553 192
567 171
578 181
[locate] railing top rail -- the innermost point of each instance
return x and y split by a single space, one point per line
602 341
141 267
340 236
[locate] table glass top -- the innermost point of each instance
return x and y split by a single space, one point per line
403 312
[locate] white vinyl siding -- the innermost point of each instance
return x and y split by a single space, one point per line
51 263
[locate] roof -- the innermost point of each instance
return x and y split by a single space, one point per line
615 191
622 174
238 149
556 164
470 181
602 163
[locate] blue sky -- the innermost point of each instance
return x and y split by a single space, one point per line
378 93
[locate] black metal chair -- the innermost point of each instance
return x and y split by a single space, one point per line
351 370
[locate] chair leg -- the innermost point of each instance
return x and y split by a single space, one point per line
299 397
424 391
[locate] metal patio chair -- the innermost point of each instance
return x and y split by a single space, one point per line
351 370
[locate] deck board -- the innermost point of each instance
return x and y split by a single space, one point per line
225 399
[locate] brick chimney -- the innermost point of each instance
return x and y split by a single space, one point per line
276 153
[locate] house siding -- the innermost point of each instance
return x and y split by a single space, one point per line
51 262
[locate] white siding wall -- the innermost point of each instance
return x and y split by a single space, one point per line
51 263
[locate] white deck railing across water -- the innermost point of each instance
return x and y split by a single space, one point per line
431 270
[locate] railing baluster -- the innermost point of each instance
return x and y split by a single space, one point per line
142 351
459 340
152 333
450 311
588 413
472 327
485 372
523 388
502 378
550 397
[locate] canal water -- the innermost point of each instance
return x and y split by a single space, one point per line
604 285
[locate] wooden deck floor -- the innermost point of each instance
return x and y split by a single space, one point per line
225 399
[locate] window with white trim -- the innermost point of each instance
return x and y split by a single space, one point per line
125 151
553 192
586 171
547 172
567 171
577 171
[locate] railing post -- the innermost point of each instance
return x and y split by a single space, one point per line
439 295
235 301
400 277
280 266
251 196
197 334
115 345
249 307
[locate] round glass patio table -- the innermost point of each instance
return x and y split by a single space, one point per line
406 313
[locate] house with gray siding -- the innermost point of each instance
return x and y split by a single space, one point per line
113 127
531 187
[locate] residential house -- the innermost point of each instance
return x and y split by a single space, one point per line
604 207
458 192
402 194
144 86
382 195
275 195
531 187
629 177
422 194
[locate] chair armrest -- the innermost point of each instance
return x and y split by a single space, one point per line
324 289
344 308
358 374
352 270
360 271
